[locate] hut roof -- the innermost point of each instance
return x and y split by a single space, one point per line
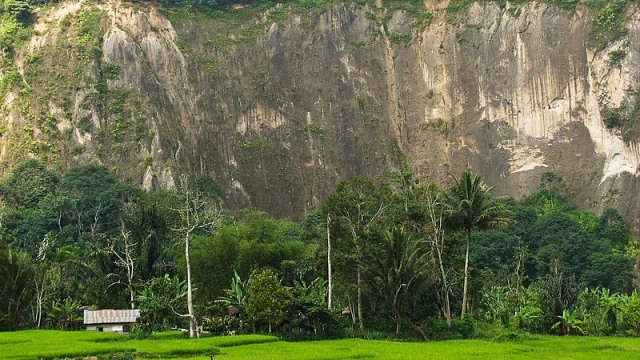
110 316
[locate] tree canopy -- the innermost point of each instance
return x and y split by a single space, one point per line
401 254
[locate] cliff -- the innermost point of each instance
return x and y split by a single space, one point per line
280 104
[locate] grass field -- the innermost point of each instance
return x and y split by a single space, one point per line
79 345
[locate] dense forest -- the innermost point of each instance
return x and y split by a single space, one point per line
407 259
395 257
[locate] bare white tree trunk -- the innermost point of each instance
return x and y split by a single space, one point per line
465 294
330 284
193 325
40 289
360 299
125 260
194 215
437 244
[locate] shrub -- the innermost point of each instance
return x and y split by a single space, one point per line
437 329
630 319
222 325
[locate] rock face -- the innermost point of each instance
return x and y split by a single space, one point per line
280 107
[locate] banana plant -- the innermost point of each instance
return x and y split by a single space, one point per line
569 323
237 294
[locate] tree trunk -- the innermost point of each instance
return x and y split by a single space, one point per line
360 298
193 331
445 286
465 294
39 300
437 243
396 308
132 296
329 285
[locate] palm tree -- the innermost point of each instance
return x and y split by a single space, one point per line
469 203
404 262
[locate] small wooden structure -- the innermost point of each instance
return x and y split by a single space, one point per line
109 320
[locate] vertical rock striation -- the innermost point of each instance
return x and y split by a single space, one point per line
280 108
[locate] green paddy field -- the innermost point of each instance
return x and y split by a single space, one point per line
44 344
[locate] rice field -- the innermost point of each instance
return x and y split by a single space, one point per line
49 345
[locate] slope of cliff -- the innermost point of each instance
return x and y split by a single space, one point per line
279 104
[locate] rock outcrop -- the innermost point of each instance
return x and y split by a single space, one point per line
280 107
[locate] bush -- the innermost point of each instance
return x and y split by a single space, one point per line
437 329
630 319
222 325
465 327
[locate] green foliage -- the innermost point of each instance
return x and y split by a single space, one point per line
616 57
558 293
237 294
206 185
470 206
609 24
599 310
158 303
16 272
469 203
383 255
314 129
221 325
551 181
268 299
401 39
622 119
568 323
19 9
28 183
457 8
613 119
90 22
65 315
630 315
254 242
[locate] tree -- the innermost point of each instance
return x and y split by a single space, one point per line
95 197
65 315
357 206
46 278
309 305
435 235
195 215
123 249
28 183
557 294
16 276
404 260
268 298
27 215
255 241
470 204
161 303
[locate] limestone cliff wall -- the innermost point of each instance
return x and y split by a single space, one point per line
279 108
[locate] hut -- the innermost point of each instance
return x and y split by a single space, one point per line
110 320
